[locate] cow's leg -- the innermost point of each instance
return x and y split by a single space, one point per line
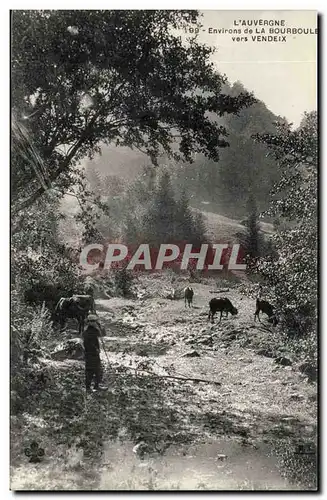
81 324
256 315
221 315
62 323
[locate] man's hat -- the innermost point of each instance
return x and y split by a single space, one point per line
92 317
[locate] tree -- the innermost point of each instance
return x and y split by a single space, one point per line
95 180
189 227
159 224
184 223
84 78
251 240
294 273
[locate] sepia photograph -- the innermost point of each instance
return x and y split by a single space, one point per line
164 250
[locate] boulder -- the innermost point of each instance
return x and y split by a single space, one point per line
69 349
296 396
265 352
206 341
281 360
191 354
309 370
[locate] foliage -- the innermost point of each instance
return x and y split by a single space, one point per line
31 328
252 240
294 273
39 259
82 78
169 219
123 281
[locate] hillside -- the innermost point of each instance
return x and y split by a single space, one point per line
221 228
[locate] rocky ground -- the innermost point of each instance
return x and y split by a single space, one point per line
189 404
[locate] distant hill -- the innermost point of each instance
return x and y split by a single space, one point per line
224 229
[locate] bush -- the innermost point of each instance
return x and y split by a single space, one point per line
123 281
292 275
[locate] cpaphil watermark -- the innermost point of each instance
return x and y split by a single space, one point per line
209 257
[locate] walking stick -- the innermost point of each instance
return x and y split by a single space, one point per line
103 347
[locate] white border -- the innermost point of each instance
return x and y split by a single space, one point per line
318 5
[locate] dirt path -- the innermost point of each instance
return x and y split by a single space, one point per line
165 330
258 400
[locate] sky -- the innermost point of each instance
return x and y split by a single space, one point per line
282 74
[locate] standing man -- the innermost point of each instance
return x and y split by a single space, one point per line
93 369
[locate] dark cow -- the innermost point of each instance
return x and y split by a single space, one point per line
47 293
266 308
77 306
222 304
188 295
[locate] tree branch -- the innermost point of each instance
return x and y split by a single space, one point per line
70 155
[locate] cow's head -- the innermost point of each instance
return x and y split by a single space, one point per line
234 311
273 319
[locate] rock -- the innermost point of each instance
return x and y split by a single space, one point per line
140 449
69 349
290 419
312 398
266 353
206 341
296 396
229 336
309 370
283 361
191 354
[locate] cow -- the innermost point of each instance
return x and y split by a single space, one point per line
222 304
77 306
188 296
266 308
47 293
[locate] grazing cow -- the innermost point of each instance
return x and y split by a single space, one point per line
77 306
222 304
265 307
188 295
